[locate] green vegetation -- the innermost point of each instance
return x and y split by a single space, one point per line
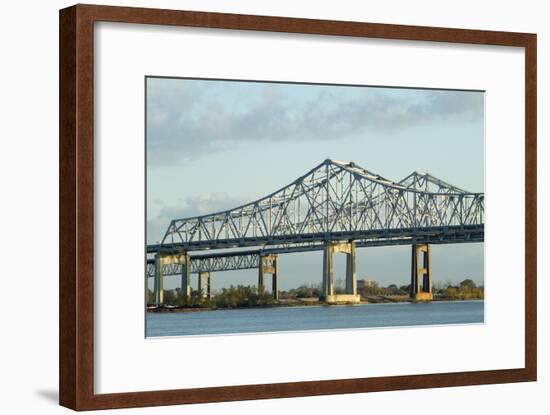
247 296
232 297
150 296
303 291
242 296
466 290
373 288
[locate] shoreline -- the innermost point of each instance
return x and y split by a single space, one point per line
301 303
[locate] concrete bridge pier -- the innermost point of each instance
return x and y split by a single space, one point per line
351 274
268 265
328 294
185 261
158 281
162 259
328 272
204 283
421 278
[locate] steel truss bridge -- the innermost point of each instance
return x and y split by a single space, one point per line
334 203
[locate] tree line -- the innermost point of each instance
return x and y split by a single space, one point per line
237 296
233 297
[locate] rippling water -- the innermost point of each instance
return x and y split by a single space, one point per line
313 318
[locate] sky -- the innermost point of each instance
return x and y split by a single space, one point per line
216 144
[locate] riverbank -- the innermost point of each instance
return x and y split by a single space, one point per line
298 302
279 303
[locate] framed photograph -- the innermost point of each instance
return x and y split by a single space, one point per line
257 207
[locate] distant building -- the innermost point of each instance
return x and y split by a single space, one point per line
366 283
370 284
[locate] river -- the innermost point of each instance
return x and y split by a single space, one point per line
255 320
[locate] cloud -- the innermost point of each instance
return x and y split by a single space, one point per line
189 119
190 206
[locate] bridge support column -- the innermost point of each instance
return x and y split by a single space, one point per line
261 282
162 259
327 293
351 275
421 278
204 283
275 278
268 265
328 272
158 282
185 261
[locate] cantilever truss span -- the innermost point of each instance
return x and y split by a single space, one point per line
335 201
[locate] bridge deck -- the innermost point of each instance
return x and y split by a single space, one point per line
295 243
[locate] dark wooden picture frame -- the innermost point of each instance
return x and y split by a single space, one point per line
76 179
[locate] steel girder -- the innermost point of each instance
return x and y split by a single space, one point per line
249 259
209 264
334 200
